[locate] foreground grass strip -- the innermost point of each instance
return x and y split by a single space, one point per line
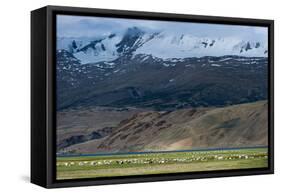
157 163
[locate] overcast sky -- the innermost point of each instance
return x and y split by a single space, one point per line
82 26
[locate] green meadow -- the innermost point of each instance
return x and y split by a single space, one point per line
157 163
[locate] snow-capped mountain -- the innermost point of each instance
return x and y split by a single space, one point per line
89 50
158 44
182 46
106 48
181 70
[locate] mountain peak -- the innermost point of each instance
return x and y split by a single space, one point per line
134 31
130 41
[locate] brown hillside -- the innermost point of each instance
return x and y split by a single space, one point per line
233 126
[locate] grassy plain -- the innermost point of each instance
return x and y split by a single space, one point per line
75 167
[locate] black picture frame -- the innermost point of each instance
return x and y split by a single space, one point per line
43 100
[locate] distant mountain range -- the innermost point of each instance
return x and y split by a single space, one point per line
158 44
160 70
147 81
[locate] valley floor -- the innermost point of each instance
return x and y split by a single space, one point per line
159 163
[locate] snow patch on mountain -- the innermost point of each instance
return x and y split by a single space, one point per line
215 65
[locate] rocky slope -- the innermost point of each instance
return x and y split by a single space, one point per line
232 126
147 81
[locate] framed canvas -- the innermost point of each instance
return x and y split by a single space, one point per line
126 96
